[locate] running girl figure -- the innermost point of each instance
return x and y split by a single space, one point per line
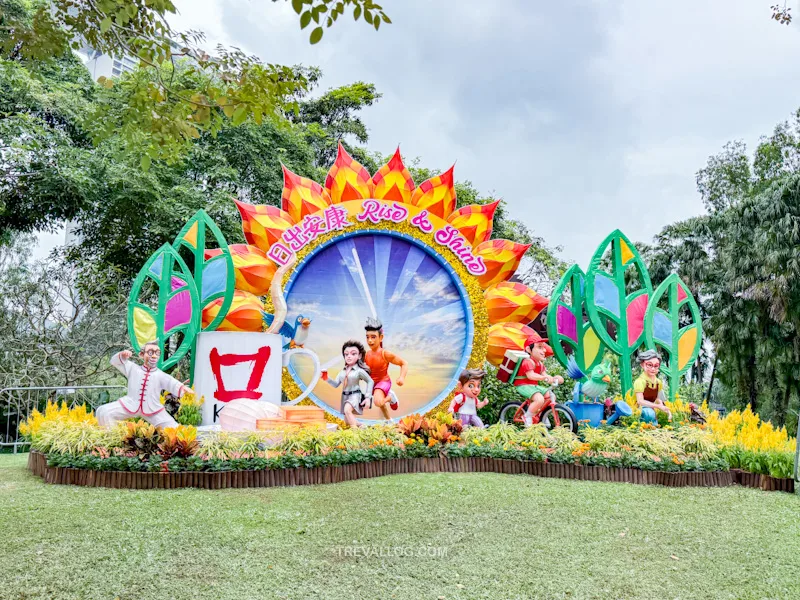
378 361
355 371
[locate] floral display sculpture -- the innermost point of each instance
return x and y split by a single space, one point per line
613 307
408 248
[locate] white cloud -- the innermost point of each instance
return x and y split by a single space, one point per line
585 117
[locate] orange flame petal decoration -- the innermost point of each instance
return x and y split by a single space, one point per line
437 195
474 222
302 196
501 257
263 225
245 313
506 336
347 179
393 181
254 271
513 302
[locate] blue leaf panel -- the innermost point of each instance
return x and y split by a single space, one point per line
662 329
157 266
606 294
215 274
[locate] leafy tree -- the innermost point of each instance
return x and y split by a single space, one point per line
42 143
334 117
741 262
181 89
53 332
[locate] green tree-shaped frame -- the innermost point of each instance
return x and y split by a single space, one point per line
172 265
606 291
664 329
200 225
572 281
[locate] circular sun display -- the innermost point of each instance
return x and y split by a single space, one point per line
417 297
384 248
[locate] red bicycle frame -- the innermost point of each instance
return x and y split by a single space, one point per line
550 402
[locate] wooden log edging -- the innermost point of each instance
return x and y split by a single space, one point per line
37 464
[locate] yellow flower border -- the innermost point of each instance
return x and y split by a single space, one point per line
473 289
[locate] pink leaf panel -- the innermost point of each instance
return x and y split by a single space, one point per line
566 324
178 311
635 314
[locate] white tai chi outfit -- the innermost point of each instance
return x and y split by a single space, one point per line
351 392
143 399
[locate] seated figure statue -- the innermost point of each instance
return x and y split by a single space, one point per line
145 384
648 388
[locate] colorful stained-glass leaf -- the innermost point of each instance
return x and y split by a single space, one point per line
144 325
213 276
569 332
176 298
667 330
635 314
608 299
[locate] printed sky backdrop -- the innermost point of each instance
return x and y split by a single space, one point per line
415 298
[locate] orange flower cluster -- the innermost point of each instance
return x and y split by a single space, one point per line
429 431
581 450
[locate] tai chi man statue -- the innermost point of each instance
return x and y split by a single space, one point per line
145 384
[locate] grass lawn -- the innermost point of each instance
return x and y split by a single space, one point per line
502 536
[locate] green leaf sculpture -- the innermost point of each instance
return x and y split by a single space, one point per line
214 277
663 327
177 306
608 300
566 323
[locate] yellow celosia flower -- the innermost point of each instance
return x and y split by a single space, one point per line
56 412
745 429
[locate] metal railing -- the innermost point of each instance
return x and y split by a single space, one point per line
17 403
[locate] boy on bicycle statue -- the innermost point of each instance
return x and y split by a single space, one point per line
533 382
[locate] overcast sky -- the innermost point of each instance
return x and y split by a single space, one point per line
583 116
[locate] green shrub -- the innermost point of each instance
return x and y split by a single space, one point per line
189 414
69 437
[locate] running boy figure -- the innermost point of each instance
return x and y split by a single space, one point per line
648 387
533 381
465 403
145 385
378 361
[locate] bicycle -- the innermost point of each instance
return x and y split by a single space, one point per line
551 415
